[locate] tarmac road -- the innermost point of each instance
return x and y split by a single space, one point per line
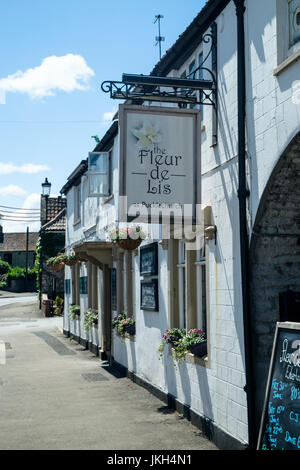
54 395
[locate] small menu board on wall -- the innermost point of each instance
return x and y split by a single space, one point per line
280 424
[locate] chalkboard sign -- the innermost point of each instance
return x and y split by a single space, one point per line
149 295
280 424
148 259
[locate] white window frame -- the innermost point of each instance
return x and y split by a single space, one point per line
92 173
198 319
200 264
289 25
286 54
181 266
77 203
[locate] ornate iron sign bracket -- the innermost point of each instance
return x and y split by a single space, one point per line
182 91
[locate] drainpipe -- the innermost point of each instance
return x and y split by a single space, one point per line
243 193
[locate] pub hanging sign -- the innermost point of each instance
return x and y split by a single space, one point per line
159 161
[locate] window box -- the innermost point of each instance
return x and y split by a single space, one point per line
130 329
199 349
124 325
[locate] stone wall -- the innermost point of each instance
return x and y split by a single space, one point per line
51 279
275 259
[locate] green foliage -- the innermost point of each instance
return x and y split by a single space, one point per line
73 310
59 302
32 273
181 341
4 267
90 315
121 321
55 260
3 283
51 243
15 273
38 265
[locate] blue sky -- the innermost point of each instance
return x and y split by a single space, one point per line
62 51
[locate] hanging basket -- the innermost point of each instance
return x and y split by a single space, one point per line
57 267
128 243
71 262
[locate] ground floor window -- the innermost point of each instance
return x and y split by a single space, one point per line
187 286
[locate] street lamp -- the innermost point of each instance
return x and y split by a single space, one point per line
46 187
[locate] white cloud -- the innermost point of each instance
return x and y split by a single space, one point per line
66 73
32 201
12 190
28 168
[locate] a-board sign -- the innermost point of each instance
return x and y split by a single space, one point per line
280 424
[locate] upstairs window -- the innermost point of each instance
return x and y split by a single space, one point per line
294 22
77 203
99 174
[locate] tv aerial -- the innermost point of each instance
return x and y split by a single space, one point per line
159 38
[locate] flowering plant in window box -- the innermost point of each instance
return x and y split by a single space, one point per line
194 342
183 341
172 337
124 324
90 317
74 310
128 238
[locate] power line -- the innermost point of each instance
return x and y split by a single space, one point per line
8 217
19 220
17 212
20 208
53 122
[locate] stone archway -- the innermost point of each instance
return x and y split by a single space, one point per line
274 260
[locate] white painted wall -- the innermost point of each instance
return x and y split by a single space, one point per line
273 119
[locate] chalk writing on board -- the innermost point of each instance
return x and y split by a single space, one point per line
281 421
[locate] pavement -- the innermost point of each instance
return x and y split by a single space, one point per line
55 395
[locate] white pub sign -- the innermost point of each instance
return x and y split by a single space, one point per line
159 158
